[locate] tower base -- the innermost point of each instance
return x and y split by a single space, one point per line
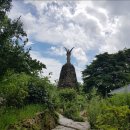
68 77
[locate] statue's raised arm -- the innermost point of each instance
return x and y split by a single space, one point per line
68 54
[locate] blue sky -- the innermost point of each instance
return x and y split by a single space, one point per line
91 27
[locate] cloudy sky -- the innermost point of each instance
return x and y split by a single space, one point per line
92 27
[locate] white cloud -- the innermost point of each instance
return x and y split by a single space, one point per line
80 56
53 66
85 25
69 24
57 51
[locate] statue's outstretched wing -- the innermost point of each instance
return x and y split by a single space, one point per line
71 49
66 49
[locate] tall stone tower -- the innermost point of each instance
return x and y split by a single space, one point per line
68 77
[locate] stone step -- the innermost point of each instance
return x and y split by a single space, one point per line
68 124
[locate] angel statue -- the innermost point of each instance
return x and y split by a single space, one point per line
68 54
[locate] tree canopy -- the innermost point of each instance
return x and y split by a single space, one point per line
13 53
108 72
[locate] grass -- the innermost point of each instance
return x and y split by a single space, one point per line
14 115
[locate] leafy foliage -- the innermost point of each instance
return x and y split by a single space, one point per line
39 91
113 117
67 95
71 103
120 100
107 72
13 53
110 113
95 104
13 89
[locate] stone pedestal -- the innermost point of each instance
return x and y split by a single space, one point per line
68 77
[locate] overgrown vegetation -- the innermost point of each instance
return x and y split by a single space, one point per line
110 113
22 92
107 72
71 103
28 101
10 116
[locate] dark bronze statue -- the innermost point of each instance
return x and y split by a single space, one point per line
68 54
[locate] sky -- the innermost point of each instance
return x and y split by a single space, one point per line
92 27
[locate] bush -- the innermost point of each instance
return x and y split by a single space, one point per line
67 94
71 103
71 111
109 114
39 91
94 108
13 88
114 118
20 89
120 99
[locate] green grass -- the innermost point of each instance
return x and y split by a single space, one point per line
13 115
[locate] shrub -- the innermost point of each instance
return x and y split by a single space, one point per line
94 108
109 114
71 103
120 99
71 111
81 102
36 93
13 88
39 91
95 105
114 118
67 94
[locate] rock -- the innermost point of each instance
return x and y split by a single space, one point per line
68 124
68 76
59 127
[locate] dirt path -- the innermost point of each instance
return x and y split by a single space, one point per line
68 124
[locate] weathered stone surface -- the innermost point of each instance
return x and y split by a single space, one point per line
68 76
68 124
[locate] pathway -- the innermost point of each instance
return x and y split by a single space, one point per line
68 124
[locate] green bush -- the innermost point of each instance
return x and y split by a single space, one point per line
114 118
81 102
71 103
110 113
20 89
39 91
94 108
67 94
13 88
120 99
71 111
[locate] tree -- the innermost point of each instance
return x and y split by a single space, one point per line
107 72
13 39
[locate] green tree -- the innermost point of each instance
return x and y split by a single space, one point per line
107 72
13 55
